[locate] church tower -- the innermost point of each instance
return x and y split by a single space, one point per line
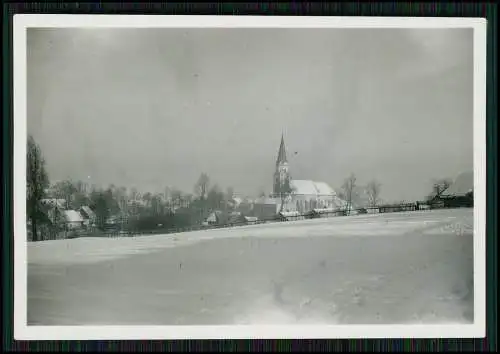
281 174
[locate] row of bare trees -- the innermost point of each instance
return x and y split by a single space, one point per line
373 188
212 196
349 192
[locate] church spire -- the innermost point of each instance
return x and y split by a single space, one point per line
282 152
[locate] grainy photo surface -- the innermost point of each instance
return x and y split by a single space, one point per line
227 176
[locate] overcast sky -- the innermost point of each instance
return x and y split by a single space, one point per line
150 108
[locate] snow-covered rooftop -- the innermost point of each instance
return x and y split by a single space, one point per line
308 187
53 202
88 211
288 214
73 216
325 210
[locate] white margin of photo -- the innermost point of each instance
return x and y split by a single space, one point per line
24 332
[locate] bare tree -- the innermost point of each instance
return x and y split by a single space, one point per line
156 204
100 206
439 186
215 197
187 199
37 181
167 193
112 187
75 193
79 200
201 187
176 196
134 193
348 189
80 187
228 197
66 190
120 194
229 193
147 197
373 191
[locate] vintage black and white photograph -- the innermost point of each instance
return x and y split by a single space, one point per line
202 176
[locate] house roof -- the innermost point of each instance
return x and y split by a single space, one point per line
308 187
288 214
237 200
73 216
216 215
211 217
54 202
88 211
463 184
237 218
324 210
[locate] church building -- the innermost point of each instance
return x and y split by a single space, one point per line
300 195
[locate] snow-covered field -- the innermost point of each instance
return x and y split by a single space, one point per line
412 267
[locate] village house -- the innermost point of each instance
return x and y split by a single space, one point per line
73 220
291 216
239 219
216 218
88 215
460 193
325 213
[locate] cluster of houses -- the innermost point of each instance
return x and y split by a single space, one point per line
248 211
67 219
308 200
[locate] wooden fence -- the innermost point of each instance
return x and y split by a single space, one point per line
318 213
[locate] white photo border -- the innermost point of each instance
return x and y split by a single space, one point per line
21 22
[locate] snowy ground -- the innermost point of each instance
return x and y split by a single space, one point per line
399 268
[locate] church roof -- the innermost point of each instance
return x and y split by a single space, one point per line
282 152
308 187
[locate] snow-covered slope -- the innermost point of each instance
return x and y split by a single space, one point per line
385 268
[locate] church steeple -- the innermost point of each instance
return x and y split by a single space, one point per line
281 174
282 152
